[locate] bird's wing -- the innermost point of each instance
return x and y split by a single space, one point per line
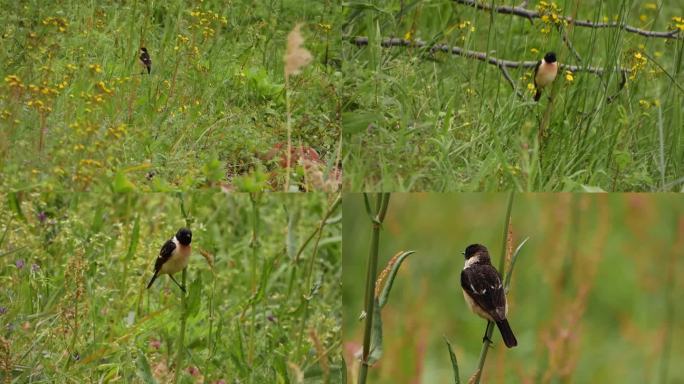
164 254
145 58
483 284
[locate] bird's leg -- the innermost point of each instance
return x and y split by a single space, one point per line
179 286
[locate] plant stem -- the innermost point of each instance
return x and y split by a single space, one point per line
255 254
381 210
288 124
184 306
490 325
308 286
181 336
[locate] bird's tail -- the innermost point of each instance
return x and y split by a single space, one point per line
537 95
153 279
507 333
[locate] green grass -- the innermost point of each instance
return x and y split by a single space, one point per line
415 122
212 111
594 297
74 308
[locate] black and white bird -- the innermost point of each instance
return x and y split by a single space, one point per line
545 73
484 292
173 256
145 59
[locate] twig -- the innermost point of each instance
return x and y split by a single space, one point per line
530 14
362 41
507 76
568 43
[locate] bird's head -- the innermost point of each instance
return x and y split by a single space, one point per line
550 57
143 49
184 236
476 250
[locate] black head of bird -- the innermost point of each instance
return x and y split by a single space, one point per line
184 236
550 57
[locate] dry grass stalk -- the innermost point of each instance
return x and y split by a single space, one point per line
296 56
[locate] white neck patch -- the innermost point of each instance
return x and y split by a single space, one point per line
473 260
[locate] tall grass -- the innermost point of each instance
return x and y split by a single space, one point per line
415 120
82 117
68 316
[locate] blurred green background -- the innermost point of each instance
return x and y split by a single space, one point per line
594 295
74 308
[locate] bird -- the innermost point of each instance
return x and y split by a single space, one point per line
484 292
145 59
173 256
544 73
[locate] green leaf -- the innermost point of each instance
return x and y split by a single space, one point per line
454 362
213 171
121 183
384 294
15 205
135 235
356 121
514 258
376 335
195 298
143 368
592 189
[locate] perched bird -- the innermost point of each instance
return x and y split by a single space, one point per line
544 73
145 60
484 292
173 256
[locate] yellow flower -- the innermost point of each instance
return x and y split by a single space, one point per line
651 6
530 87
407 35
534 50
643 18
644 104
569 76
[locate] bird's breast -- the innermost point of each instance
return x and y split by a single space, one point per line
178 260
546 74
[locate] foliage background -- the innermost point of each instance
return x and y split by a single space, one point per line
212 111
419 122
594 296
74 308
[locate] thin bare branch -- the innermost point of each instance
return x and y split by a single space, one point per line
482 56
530 14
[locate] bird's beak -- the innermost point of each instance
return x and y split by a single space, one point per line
463 253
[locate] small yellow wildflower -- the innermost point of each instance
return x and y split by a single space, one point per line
534 50
569 77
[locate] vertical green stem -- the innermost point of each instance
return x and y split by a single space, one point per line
180 351
308 286
490 325
255 253
381 209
